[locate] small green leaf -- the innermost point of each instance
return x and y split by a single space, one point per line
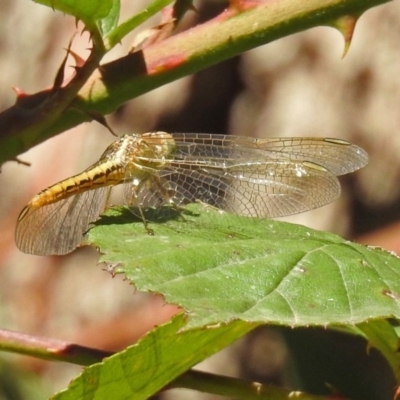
143 369
117 34
89 11
110 22
220 267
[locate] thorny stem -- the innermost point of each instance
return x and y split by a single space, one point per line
104 90
22 125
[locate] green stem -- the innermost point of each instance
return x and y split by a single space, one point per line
58 350
49 349
229 34
236 388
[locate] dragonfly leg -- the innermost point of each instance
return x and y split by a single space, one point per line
145 223
134 203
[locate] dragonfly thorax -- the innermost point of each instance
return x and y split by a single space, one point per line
149 150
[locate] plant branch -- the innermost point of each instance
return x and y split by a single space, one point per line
22 125
229 34
58 350
236 388
49 349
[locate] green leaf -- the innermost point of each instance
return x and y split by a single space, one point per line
89 11
143 369
109 23
117 34
220 267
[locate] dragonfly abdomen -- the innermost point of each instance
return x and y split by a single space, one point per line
108 173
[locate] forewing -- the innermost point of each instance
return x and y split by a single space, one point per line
337 156
270 177
58 228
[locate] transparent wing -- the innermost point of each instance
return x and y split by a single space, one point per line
153 192
58 228
337 156
268 189
271 177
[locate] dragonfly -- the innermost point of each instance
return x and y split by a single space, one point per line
253 177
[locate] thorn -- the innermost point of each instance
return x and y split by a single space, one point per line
59 79
19 92
79 61
22 162
98 118
101 120
346 25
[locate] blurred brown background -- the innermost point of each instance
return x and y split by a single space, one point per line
296 86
